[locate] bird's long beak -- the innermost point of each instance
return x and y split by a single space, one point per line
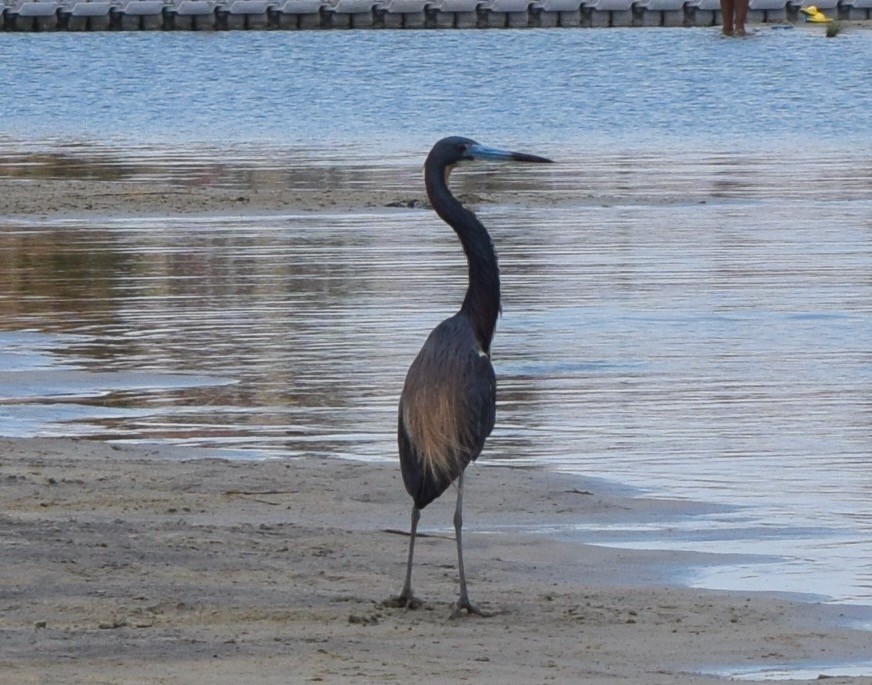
495 155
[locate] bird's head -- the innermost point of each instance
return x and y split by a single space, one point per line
449 152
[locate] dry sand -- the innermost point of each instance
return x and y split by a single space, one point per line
125 565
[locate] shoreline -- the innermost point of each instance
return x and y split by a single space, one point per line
154 565
99 182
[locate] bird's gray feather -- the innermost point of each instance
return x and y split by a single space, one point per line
447 409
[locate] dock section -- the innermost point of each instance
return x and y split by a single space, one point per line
225 15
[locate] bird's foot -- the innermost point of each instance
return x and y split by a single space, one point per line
403 601
464 603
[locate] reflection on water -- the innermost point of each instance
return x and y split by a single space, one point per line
242 166
614 174
687 323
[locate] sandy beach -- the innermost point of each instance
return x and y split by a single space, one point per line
131 565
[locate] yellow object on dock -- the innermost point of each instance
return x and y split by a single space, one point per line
814 15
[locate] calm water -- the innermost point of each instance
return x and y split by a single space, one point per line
388 87
686 299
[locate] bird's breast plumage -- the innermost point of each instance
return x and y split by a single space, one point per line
447 409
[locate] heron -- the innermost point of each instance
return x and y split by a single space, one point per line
447 407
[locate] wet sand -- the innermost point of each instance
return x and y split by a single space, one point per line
156 566
96 182
58 196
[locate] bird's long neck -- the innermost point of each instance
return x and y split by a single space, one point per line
482 302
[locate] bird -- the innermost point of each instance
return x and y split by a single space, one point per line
447 407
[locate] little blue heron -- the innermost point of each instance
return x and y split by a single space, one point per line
448 404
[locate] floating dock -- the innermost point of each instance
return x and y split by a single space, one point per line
215 15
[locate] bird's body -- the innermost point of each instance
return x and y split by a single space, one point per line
448 405
447 409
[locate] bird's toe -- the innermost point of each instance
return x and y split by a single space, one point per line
403 602
471 609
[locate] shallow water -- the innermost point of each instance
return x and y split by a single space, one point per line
687 341
686 297
818 671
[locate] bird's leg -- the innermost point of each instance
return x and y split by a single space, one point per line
462 599
406 599
407 586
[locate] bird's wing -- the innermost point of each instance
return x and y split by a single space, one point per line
447 410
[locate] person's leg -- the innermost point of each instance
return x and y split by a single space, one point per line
741 13
727 7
